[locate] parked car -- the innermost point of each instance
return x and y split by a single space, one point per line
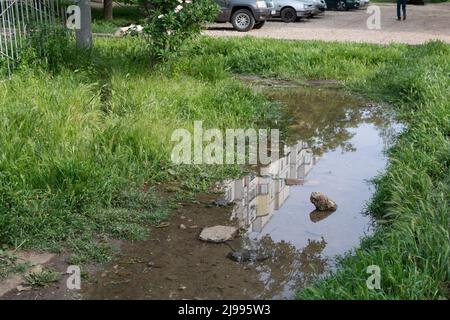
342 5
320 5
245 15
291 10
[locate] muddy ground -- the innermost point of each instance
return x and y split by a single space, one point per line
174 264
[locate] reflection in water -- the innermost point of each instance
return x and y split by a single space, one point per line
322 117
256 197
343 141
317 215
288 268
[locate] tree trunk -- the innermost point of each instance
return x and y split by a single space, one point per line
84 34
108 9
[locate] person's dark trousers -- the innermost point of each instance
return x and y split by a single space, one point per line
401 3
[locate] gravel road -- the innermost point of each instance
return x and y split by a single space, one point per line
424 23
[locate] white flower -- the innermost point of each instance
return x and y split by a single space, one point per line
160 16
178 8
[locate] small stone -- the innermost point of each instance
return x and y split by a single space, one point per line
323 202
220 202
218 234
23 288
182 226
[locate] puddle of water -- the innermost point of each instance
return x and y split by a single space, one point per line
336 144
338 147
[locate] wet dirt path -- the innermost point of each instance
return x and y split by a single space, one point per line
336 144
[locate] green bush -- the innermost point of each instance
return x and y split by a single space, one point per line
171 22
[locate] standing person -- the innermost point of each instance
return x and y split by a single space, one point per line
401 3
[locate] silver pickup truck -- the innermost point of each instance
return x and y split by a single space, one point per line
245 15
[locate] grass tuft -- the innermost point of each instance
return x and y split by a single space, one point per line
42 279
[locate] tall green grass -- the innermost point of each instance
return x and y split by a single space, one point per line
84 145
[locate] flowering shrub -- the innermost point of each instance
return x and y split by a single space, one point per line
170 22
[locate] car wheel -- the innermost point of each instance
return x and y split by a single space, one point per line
288 15
259 25
341 5
243 20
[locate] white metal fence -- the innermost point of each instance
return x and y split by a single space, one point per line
19 19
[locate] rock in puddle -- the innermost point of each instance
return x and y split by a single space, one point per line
218 234
247 256
323 202
220 202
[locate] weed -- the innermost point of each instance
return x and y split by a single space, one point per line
42 279
9 264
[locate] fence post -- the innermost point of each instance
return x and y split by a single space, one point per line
84 34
